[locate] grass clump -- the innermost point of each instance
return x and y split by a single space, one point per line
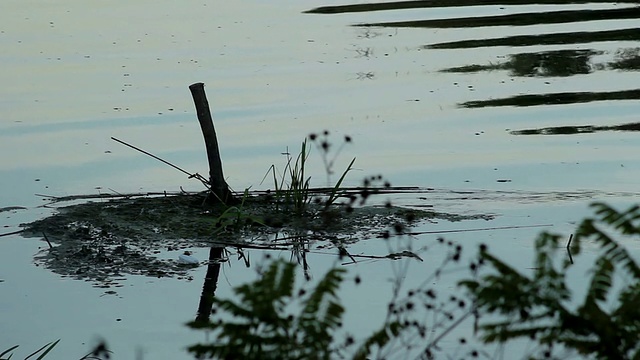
292 194
292 191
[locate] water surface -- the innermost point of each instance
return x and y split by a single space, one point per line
434 95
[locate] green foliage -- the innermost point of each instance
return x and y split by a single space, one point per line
292 190
336 189
260 327
379 339
296 195
43 351
607 322
98 353
298 192
235 217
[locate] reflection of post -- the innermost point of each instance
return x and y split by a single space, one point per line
219 186
210 285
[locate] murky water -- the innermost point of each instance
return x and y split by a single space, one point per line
527 111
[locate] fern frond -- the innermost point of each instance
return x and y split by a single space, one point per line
614 252
327 287
621 221
629 300
602 279
324 293
379 339
233 308
284 284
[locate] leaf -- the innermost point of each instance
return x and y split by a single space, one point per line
334 191
313 321
539 301
601 280
622 221
47 348
9 350
379 339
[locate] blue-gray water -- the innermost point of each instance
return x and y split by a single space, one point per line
76 74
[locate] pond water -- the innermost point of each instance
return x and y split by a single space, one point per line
527 111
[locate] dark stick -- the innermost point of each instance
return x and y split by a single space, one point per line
219 186
569 248
11 233
48 242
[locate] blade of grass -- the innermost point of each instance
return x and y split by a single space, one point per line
334 192
48 348
8 351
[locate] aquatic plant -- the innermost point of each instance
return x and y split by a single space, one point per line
504 304
100 352
262 329
42 352
539 306
263 322
296 193
292 190
236 216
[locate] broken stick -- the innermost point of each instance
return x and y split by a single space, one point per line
219 187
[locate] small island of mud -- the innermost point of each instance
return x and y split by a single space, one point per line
109 237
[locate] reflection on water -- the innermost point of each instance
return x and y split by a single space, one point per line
558 63
569 55
569 130
552 17
556 98
439 3
545 64
565 38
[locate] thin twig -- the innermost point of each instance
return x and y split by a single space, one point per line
47 239
55 199
196 175
448 330
569 248
12 233
474 229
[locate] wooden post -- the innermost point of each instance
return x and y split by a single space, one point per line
219 186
